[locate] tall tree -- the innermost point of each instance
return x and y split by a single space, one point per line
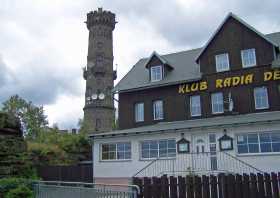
32 117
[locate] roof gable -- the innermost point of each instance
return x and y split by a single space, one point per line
162 60
231 15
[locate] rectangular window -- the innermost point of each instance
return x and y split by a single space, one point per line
139 112
156 73
248 57
158 110
266 142
116 151
222 62
261 98
151 149
217 103
195 106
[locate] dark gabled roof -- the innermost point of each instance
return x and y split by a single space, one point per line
276 44
185 68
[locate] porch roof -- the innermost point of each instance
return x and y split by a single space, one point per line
229 120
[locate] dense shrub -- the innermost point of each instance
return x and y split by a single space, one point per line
20 191
15 188
55 148
8 120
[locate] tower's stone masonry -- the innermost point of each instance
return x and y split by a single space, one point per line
99 112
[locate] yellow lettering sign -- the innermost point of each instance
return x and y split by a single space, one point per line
268 76
249 79
276 75
227 82
181 89
187 89
219 83
203 86
194 87
235 81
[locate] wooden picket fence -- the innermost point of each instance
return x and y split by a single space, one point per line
221 186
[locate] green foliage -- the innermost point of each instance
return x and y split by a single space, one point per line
20 191
46 146
45 154
55 148
15 188
8 120
84 126
31 116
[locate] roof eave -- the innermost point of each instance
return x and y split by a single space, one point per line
156 85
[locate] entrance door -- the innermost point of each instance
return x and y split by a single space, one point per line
200 153
213 151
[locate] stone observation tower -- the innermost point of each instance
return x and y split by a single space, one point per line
99 112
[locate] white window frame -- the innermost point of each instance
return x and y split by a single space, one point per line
139 112
243 58
194 105
158 149
155 102
258 143
116 145
218 58
154 69
266 96
213 96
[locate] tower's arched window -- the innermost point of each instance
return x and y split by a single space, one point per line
97 124
89 91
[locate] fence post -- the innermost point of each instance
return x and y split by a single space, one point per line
267 185
245 185
261 193
213 186
173 187
238 185
147 187
253 186
164 186
224 185
189 182
205 187
230 186
274 185
156 187
197 187
220 186
182 187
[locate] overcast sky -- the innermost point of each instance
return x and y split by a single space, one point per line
43 43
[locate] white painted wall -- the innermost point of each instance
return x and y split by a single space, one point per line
120 169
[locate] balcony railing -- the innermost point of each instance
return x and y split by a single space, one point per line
197 163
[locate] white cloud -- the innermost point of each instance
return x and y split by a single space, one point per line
44 43
65 111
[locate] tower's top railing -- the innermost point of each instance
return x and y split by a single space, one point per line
101 17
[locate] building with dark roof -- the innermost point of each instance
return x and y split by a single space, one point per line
207 110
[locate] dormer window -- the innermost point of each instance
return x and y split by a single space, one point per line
156 73
222 62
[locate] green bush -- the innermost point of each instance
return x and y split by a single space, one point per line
21 191
15 187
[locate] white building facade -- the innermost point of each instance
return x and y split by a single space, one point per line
209 110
